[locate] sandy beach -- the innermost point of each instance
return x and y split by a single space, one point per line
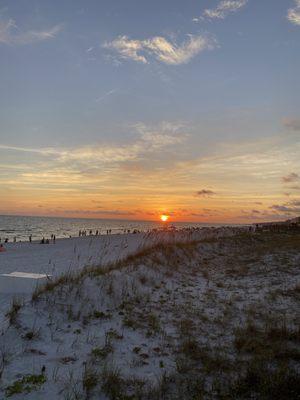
73 254
169 315
78 252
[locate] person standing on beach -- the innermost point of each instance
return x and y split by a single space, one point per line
30 238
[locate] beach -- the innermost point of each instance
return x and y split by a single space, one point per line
72 254
168 315
65 255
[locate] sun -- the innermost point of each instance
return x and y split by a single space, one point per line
164 218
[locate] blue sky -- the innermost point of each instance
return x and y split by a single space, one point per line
103 97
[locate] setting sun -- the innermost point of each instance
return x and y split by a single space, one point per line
164 218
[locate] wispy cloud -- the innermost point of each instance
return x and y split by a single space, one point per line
223 9
150 138
107 94
205 193
161 49
293 14
292 177
163 135
290 208
292 123
42 151
100 212
11 34
127 48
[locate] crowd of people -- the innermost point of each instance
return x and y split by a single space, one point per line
52 239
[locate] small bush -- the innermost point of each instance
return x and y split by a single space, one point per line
25 385
112 384
102 352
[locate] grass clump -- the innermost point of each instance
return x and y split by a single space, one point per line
26 385
130 322
100 315
31 335
262 382
90 379
102 352
153 324
13 312
112 384
191 349
271 341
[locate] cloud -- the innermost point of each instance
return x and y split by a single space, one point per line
223 9
292 177
149 139
292 124
161 49
162 135
293 14
205 193
127 48
286 208
11 34
107 94
42 151
100 212
292 207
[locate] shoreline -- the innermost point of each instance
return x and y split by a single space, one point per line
38 227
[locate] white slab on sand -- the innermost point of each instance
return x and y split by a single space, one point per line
27 275
21 282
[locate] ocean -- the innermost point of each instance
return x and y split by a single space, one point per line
20 227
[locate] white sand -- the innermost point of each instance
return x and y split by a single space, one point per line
66 254
75 253
138 318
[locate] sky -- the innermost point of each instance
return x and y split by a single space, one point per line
133 108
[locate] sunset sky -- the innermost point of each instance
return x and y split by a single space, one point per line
134 108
